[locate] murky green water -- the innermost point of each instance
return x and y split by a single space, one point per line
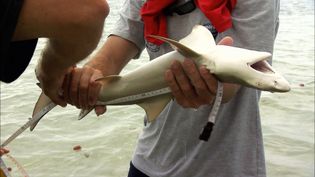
108 141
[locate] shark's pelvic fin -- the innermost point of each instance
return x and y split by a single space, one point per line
42 102
154 106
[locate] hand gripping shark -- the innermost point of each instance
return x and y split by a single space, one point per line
228 64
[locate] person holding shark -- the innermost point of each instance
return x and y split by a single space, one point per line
169 146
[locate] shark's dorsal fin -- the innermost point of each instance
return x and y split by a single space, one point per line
199 40
42 102
108 79
197 43
154 106
182 49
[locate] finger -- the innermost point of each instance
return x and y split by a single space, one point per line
66 87
56 97
226 41
209 79
74 86
199 84
176 91
84 87
94 90
95 87
182 80
3 151
99 110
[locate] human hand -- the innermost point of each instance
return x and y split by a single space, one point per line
192 86
51 79
3 151
81 89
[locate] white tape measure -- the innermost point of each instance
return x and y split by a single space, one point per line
33 120
217 103
136 97
206 132
127 99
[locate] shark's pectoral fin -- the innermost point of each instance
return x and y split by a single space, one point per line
182 49
42 102
154 106
108 79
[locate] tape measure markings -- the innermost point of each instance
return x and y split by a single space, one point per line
36 118
136 97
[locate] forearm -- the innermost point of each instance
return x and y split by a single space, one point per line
113 56
73 28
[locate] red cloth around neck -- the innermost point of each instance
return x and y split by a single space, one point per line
155 22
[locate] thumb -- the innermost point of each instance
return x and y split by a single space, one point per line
57 98
226 41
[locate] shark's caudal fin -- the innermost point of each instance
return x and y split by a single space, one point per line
42 102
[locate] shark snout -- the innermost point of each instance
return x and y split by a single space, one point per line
269 79
281 84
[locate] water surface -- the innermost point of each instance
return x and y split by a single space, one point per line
108 141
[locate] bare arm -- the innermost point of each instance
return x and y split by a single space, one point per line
113 56
73 27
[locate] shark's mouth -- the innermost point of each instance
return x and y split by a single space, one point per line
262 66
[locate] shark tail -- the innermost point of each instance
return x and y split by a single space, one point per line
41 103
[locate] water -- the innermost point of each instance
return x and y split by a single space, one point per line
108 141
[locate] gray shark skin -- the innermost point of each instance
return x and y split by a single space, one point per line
228 64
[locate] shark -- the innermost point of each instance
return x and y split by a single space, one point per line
229 64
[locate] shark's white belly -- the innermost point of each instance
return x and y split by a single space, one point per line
146 78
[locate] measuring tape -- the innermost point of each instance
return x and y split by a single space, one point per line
206 132
127 99
136 97
217 103
33 120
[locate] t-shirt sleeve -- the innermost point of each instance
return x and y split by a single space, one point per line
129 25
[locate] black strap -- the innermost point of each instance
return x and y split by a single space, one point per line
180 9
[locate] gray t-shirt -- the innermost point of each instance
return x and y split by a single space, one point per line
169 146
